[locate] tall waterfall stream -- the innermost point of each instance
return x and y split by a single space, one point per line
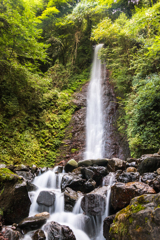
51 180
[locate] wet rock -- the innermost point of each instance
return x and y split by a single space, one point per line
14 198
89 186
31 187
152 179
131 169
106 226
56 231
39 235
46 198
140 220
71 165
130 160
150 163
43 214
10 234
122 193
72 181
78 171
107 179
32 223
91 162
158 171
95 173
87 173
27 175
94 203
115 164
126 177
70 198
21 167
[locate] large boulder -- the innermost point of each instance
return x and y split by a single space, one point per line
71 165
122 193
14 198
150 163
70 198
32 223
139 220
72 181
94 203
92 162
115 164
56 231
46 198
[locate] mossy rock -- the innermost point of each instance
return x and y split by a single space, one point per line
71 165
139 220
8 175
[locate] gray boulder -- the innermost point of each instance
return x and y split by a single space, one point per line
72 181
94 203
46 198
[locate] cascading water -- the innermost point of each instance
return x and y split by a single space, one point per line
51 180
94 119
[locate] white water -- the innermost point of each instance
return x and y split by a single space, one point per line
51 181
94 118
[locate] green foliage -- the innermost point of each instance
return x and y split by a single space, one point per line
132 57
143 116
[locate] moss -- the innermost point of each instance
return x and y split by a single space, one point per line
130 220
73 150
8 175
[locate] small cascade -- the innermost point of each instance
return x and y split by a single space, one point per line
51 181
94 118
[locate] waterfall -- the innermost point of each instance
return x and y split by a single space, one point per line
94 119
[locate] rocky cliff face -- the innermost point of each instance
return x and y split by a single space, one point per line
73 145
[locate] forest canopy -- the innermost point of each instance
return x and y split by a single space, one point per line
45 56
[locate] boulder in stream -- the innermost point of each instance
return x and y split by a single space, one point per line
72 181
128 177
56 231
32 223
94 203
46 198
122 193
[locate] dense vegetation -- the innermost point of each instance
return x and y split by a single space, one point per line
45 55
